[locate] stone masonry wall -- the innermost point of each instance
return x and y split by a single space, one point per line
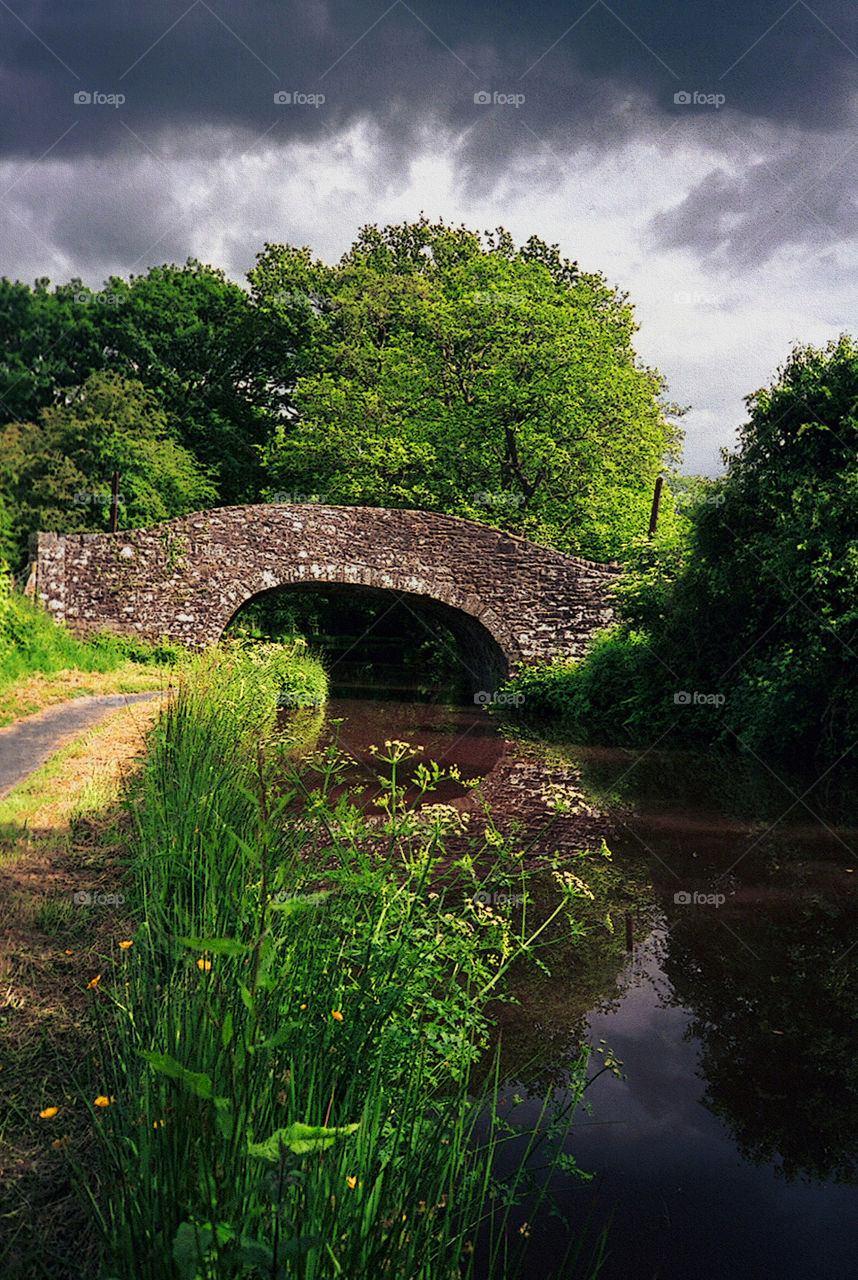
185 579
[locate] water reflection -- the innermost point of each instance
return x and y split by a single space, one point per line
731 1146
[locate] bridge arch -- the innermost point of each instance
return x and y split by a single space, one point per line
483 656
510 601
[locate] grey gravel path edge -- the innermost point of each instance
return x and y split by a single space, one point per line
27 744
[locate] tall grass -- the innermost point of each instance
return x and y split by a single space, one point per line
30 641
284 1079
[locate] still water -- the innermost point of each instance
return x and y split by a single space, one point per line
728 1144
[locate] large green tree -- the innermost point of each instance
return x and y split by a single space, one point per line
187 333
439 369
55 474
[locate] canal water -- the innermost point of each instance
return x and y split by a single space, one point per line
725 1143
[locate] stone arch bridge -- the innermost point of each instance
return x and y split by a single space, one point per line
507 601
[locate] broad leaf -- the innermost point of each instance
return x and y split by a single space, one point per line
300 1139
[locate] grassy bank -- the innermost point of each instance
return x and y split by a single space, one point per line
288 1028
42 663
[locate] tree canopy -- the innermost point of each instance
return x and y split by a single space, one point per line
56 472
188 334
432 367
756 608
443 370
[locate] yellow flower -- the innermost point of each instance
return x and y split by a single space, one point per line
69 953
351 1182
204 963
95 981
125 945
157 1124
303 1006
49 1113
103 1101
336 1015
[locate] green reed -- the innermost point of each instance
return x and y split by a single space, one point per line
287 1051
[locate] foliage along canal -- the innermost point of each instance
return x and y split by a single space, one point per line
713 979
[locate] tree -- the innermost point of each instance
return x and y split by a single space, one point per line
435 370
768 602
194 339
744 631
758 605
55 474
187 333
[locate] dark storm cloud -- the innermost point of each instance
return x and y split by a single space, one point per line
805 196
566 83
182 64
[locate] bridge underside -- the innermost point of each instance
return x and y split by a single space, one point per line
483 662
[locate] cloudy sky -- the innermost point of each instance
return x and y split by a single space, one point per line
702 154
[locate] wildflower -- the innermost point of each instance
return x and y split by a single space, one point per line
48 1113
92 985
303 1006
336 1015
204 963
60 1144
103 1101
157 1124
126 944
351 1183
69 953
524 1229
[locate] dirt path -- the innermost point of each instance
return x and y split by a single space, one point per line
26 745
